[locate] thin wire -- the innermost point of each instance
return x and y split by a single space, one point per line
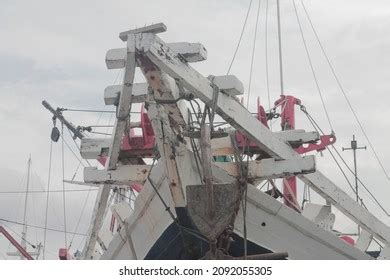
77 146
239 40
253 54
280 49
40 227
311 66
266 58
63 184
21 236
52 191
345 94
81 215
47 200
71 150
92 111
315 125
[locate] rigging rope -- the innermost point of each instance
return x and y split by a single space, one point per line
20 235
63 184
47 199
376 201
239 40
311 66
39 227
266 58
52 191
79 220
280 49
253 55
345 94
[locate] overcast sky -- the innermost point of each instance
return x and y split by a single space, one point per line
55 50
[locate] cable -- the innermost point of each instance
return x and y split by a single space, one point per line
63 185
239 40
47 200
280 49
253 55
344 93
311 66
315 125
81 215
77 146
52 191
39 227
266 58
70 149
20 235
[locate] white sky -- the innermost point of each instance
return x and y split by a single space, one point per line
55 50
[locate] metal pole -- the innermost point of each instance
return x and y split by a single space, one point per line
57 113
354 147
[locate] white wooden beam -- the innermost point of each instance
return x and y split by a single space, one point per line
364 240
92 148
191 52
297 137
233 112
271 168
122 117
112 93
330 192
154 28
166 141
123 175
228 84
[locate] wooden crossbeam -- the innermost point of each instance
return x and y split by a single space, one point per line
271 168
233 112
123 175
122 117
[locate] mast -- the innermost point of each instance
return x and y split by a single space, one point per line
24 232
355 147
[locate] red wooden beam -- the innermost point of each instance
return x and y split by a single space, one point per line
15 243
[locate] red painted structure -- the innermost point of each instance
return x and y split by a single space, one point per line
15 243
287 103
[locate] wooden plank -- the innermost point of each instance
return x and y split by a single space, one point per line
342 201
123 112
166 140
191 52
153 28
112 94
228 84
92 148
233 112
123 175
271 168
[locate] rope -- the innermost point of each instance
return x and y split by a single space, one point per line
253 54
311 66
280 49
63 184
266 58
39 227
345 94
79 220
376 201
77 146
21 236
239 40
47 200
52 191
